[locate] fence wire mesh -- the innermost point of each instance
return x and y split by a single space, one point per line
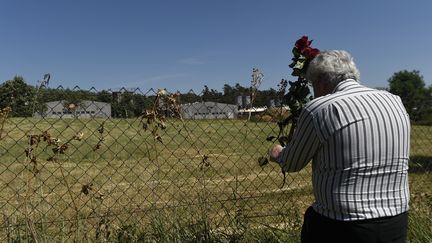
129 165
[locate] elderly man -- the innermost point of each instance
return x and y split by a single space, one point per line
358 140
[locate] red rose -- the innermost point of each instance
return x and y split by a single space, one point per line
302 43
310 53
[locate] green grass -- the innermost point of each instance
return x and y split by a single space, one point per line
153 190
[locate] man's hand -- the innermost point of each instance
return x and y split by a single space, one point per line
274 152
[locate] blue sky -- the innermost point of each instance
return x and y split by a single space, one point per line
182 45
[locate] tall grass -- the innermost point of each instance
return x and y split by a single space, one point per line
147 191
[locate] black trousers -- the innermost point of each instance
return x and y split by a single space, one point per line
317 228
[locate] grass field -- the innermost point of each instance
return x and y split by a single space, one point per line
135 187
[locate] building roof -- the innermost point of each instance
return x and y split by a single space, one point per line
82 102
208 103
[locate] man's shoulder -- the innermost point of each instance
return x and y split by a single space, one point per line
322 102
318 104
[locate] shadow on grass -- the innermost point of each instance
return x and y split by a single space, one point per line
420 164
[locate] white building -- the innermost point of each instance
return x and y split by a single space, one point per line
209 110
85 109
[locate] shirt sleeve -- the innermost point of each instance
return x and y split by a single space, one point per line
303 145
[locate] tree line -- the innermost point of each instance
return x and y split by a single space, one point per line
416 97
25 99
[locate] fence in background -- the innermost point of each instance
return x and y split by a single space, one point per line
129 166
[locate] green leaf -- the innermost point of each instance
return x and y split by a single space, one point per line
295 52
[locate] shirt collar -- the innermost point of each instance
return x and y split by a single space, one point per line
345 85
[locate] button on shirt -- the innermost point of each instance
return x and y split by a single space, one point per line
358 139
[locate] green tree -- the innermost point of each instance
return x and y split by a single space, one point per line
211 94
104 96
123 106
263 97
410 87
18 95
189 97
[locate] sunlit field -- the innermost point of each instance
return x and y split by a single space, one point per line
197 179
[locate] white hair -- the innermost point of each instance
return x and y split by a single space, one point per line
332 66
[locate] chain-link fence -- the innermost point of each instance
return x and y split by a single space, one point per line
128 165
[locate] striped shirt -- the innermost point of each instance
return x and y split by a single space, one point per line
358 140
